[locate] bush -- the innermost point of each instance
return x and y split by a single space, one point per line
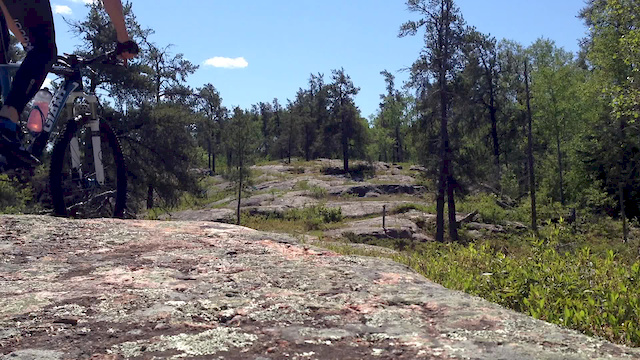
14 196
595 293
487 208
315 216
302 185
318 192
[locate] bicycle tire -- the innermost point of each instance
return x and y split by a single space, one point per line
77 193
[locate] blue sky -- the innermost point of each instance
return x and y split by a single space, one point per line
275 45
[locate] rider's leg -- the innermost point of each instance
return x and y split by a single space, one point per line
34 20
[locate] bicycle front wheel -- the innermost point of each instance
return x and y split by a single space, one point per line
88 175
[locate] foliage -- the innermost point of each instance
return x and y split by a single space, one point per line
242 142
213 118
294 221
568 279
314 217
593 293
15 197
156 158
313 191
610 52
390 125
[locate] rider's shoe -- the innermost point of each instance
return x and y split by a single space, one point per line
11 146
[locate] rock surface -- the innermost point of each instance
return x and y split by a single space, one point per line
215 215
356 209
112 289
396 227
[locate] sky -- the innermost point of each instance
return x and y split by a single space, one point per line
255 50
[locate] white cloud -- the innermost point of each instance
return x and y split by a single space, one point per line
62 9
227 63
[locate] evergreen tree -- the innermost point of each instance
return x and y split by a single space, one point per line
343 109
440 60
391 121
243 134
209 104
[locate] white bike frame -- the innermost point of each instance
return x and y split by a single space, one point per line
90 120
64 101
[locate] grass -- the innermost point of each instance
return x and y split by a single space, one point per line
575 279
315 192
426 208
273 224
295 221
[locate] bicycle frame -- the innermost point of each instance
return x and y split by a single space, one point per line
63 104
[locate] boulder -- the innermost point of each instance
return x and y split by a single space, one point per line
386 189
485 227
356 209
396 227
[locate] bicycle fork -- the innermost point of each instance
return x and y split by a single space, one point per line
93 124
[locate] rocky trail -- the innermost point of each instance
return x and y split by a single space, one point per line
134 289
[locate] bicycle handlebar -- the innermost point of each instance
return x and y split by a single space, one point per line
68 64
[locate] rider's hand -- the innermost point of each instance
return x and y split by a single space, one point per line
127 50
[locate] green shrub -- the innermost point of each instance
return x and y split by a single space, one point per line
487 208
302 185
14 196
403 208
318 192
314 216
591 292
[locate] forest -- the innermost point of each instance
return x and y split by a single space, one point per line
546 132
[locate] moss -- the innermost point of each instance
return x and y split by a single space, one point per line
22 305
205 343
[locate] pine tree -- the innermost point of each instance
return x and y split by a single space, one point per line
439 62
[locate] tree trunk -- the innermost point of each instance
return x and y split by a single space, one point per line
345 151
560 169
345 138
444 184
239 194
453 224
307 143
444 102
440 204
623 181
532 179
150 197
399 154
625 231
289 148
496 143
211 167
213 162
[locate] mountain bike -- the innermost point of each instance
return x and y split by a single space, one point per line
87 176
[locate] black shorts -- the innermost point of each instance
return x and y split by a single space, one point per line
34 20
